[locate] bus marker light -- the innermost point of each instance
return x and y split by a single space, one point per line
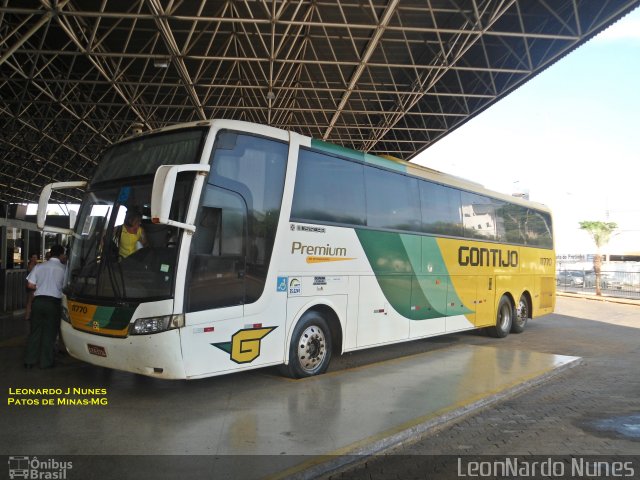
203 330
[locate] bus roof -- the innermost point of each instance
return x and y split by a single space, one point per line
393 163
385 161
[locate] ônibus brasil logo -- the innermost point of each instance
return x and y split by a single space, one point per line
37 468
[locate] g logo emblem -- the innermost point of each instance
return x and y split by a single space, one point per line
245 344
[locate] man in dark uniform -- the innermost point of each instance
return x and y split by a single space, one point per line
47 280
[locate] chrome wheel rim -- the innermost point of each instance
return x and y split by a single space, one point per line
523 311
312 348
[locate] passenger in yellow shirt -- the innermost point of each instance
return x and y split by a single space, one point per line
131 233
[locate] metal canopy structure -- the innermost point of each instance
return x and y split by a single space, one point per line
381 76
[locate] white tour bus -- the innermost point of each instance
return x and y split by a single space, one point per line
264 247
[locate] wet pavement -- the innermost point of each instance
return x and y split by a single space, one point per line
442 398
591 410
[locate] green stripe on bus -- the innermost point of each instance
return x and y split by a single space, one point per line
113 318
396 260
356 155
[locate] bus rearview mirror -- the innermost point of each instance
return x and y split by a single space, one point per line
162 194
45 195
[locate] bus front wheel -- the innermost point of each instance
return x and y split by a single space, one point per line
504 319
310 349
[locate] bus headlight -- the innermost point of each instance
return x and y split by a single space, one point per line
147 326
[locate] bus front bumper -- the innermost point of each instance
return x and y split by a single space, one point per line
158 355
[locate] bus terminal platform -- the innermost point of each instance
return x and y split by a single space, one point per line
257 424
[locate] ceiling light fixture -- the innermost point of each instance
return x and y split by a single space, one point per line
161 62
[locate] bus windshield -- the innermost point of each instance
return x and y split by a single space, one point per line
116 253
143 155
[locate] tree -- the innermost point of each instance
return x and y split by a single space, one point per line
601 233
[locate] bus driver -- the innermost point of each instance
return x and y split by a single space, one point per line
131 233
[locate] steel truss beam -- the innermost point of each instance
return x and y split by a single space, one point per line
382 76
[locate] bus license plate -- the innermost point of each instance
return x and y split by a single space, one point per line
97 350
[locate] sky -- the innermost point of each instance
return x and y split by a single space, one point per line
570 137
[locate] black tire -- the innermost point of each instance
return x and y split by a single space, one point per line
310 349
521 315
504 319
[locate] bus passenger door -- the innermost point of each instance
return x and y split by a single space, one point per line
218 252
215 287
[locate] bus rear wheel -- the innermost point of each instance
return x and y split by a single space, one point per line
310 349
504 319
521 316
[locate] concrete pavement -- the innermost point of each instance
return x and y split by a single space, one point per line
589 409
592 409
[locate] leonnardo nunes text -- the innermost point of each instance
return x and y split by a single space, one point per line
515 467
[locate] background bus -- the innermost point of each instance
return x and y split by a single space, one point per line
264 247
